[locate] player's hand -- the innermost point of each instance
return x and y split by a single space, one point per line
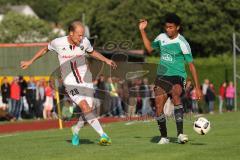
111 63
199 94
25 64
142 24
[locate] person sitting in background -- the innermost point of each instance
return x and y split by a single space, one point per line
210 94
4 115
48 104
222 92
230 92
67 110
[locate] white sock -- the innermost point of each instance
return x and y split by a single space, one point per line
93 121
78 126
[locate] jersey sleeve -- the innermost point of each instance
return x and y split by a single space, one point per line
156 43
52 46
186 50
89 48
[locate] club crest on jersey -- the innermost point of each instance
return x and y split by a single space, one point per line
81 47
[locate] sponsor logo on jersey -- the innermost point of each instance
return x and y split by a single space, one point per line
167 57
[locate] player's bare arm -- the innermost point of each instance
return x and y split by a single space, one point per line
195 78
100 57
142 26
40 53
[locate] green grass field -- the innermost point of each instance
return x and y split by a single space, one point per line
135 141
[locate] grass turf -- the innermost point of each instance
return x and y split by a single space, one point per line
134 141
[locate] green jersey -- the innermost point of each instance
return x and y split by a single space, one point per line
173 55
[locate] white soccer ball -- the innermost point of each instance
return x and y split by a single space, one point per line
202 126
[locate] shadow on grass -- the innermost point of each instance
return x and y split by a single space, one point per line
82 141
197 144
156 139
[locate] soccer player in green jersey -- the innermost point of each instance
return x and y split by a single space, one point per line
174 52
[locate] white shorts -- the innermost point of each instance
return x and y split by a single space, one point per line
79 92
48 104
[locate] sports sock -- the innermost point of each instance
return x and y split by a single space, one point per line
78 126
161 120
178 112
93 121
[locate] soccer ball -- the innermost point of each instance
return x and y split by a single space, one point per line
201 126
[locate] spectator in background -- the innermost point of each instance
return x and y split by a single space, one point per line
102 94
132 100
145 94
5 90
230 93
31 96
152 99
48 104
96 100
139 98
23 101
222 93
119 83
40 97
205 86
186 97
210 94
112 87
15 95
194 101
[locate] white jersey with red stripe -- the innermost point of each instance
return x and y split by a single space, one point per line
72 60
75 72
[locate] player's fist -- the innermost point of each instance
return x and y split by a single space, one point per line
199 94
25 64
142 24
111 63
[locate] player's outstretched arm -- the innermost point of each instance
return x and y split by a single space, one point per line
40 53
195 78
100 57
142 25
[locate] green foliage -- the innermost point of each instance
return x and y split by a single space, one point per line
208 24
20 28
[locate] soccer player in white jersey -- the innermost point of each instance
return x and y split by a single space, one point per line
174 52
71 51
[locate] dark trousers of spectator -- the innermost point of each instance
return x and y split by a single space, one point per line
116 106
16 108
206 104
230 102
39 108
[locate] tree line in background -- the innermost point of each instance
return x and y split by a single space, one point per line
207 24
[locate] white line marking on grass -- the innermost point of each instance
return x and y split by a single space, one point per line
8 135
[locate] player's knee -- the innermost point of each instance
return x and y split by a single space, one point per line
85 106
